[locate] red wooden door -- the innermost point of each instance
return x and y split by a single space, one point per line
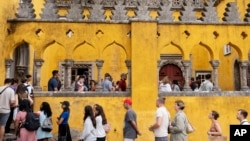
172 71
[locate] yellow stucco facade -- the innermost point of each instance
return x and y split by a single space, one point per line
197 110
142 43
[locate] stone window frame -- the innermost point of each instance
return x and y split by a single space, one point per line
203 72
79 63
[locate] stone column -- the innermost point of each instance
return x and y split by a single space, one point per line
158 72
8 63
186 64
215 64
38 64
67 79
128 64
243 75
99 64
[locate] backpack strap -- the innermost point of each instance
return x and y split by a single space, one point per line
3 90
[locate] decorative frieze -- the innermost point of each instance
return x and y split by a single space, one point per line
50 10
25 10
209 13
75 11
231 14
188 13
165 13
138 10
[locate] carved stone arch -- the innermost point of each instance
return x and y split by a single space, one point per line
114 42
211 53
46 45
239 51
174 62
21 58
82 43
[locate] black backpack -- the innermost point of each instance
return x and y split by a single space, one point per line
32 122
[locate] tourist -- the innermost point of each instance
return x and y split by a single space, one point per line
206 85
53 83
130 129
179 124
101 121
63 125
107 84
122 83
7 99
215 129
79 85
242 117
22 133
165 85
89 131
45 112
160 127
175 86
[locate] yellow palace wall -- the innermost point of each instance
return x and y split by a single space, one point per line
197 110
115 43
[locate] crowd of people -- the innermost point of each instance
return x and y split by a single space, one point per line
17 98
166 85
81 84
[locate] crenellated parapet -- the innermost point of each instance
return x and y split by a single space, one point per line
123 11
26 10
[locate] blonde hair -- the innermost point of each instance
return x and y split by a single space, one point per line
165 80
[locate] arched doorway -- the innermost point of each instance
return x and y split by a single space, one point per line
236 76
172 71
21 61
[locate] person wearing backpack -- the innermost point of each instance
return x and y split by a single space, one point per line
63 126
22 133
44 114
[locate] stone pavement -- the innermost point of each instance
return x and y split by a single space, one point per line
74 134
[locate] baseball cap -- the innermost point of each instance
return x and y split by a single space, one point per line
66 103
128 101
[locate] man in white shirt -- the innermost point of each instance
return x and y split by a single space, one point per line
242 117
160 127
207 85
7 99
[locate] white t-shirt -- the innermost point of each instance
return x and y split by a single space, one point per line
7 95
244 122
165 87
100 132
162 130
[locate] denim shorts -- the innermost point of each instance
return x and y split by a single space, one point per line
3 118
161 138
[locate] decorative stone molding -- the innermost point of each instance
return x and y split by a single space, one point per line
75 11
244 66
188 13
231 14
209 13
50 10
68 65
37 74
187 65
97 12
119 14
26 10
99 64
8 63
128 65
247 15
215 64
165 13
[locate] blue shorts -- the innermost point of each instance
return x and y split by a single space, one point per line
3 118
161 138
